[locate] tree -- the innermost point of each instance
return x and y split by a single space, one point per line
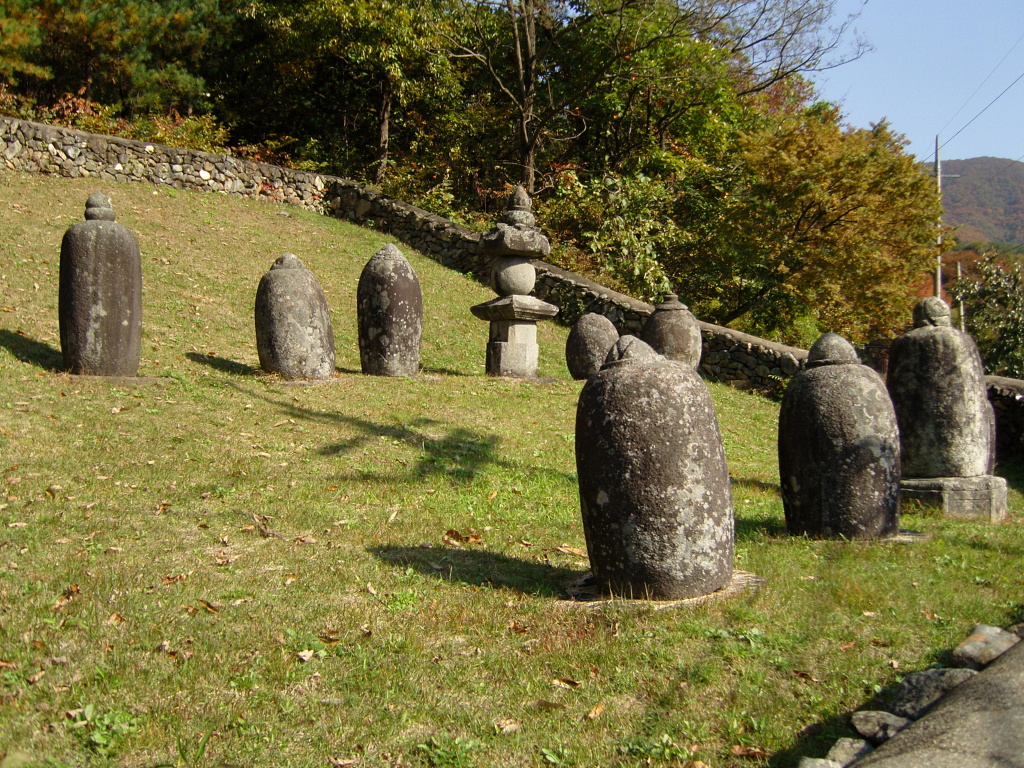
994 303
819 220
19 38
545 57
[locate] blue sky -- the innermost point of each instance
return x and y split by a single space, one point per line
930 57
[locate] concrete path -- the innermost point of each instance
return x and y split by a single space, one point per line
979 724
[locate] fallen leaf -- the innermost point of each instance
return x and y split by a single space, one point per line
33 679
191 609
515 626
741 751
894 664
806 676
8 664
526 543
305 655
115 618
506 725
17 525
566 682
304 540
565 549
172 579
492 495
370 589
594 713
929 615
343 762
208 606
365 630
226 558
869 614
847 646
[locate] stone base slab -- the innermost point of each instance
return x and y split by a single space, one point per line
966 498
584 593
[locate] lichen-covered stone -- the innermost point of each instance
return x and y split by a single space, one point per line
654 487
937 384
588 344
294 335
100 298
390 315
839 453
672 331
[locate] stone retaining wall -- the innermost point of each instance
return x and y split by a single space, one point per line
729 356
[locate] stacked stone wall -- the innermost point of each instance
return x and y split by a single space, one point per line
30 147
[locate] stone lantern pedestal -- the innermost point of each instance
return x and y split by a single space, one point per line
512 348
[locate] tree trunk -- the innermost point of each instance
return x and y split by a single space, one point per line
387 97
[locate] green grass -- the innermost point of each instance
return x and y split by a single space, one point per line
218 567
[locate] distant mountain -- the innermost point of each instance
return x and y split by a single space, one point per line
984 199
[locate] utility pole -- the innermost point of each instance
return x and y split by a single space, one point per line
938 182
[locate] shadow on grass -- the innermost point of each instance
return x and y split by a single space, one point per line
481 568
754 528
1013 470
222 364
761 485
31 351
436 371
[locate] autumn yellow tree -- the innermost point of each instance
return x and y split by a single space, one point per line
824 222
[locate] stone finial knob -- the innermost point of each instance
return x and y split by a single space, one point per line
932 311
98 208
520 210
831 349
288 261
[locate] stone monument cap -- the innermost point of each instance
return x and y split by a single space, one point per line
288 261
629 349
98 208
831 349
932 311
515 234
672 304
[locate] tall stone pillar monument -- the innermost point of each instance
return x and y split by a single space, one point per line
947 427
514 243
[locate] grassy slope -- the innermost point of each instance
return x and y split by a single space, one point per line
136 585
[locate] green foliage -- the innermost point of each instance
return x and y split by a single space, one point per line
994 303
102 731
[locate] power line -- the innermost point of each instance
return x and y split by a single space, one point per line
987 77
983 111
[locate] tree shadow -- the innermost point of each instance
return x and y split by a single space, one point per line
1011 468
222 364
438 371
31 351
480 568
752 529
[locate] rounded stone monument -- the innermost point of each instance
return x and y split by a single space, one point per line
588 344
100 295
947 426
390 315
654 487
937 384
294 335
672 331
839 451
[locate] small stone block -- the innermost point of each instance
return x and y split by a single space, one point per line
877 727
985 644
916 694
967 498
846 751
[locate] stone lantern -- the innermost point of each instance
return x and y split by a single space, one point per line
514 243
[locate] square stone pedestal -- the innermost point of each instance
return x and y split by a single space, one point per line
968 498
512 345
512 349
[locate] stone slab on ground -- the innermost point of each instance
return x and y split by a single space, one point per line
980 724
877 727
847 751
983 646
964 498
584 593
